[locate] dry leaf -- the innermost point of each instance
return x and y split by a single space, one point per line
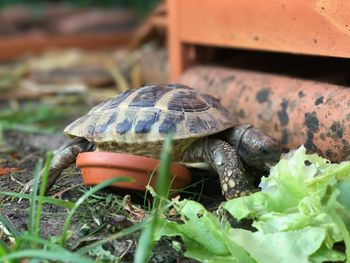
6 170
137 214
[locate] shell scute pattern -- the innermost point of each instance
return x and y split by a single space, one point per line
196 125
187 101
145 123
170 122
148 97
125 125
112 103
101 128
147 114
215 103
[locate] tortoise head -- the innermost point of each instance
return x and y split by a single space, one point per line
256 148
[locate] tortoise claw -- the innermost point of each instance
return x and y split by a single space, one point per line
27 188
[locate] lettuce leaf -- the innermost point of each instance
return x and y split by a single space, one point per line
291 246
302 210
301 191
204 237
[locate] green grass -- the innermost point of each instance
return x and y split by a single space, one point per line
30 245
47 200
31 118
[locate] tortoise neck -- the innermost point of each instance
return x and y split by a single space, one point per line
238 134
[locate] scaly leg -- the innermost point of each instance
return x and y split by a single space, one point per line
63 158
225 161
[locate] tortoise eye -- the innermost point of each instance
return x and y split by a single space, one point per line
243 149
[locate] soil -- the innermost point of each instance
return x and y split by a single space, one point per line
101 215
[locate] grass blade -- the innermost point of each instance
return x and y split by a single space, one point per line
9 226
47 200
44 242
61 256
1 134
163 178
31 118
3 249
33 197
83 198
146 243
45 174
146 240
120 234
27 128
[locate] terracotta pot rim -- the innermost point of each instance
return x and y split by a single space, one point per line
121 160
99 166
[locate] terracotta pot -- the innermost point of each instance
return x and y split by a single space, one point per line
97 167
291 110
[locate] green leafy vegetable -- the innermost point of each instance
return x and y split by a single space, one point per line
300 192
291 246
300 213
204 237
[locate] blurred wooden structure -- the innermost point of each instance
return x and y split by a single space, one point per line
24 31
315 27
153 27
13 47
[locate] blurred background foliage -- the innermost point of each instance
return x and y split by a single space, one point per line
142 7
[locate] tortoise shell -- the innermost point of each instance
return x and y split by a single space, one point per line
148 114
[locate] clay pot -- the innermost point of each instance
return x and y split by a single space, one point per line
291 110
97 167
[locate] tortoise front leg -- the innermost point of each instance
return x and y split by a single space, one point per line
63 158
225 161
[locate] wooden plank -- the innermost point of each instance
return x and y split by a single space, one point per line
318 27
13 47
175 47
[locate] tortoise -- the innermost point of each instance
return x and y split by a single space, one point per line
137 122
